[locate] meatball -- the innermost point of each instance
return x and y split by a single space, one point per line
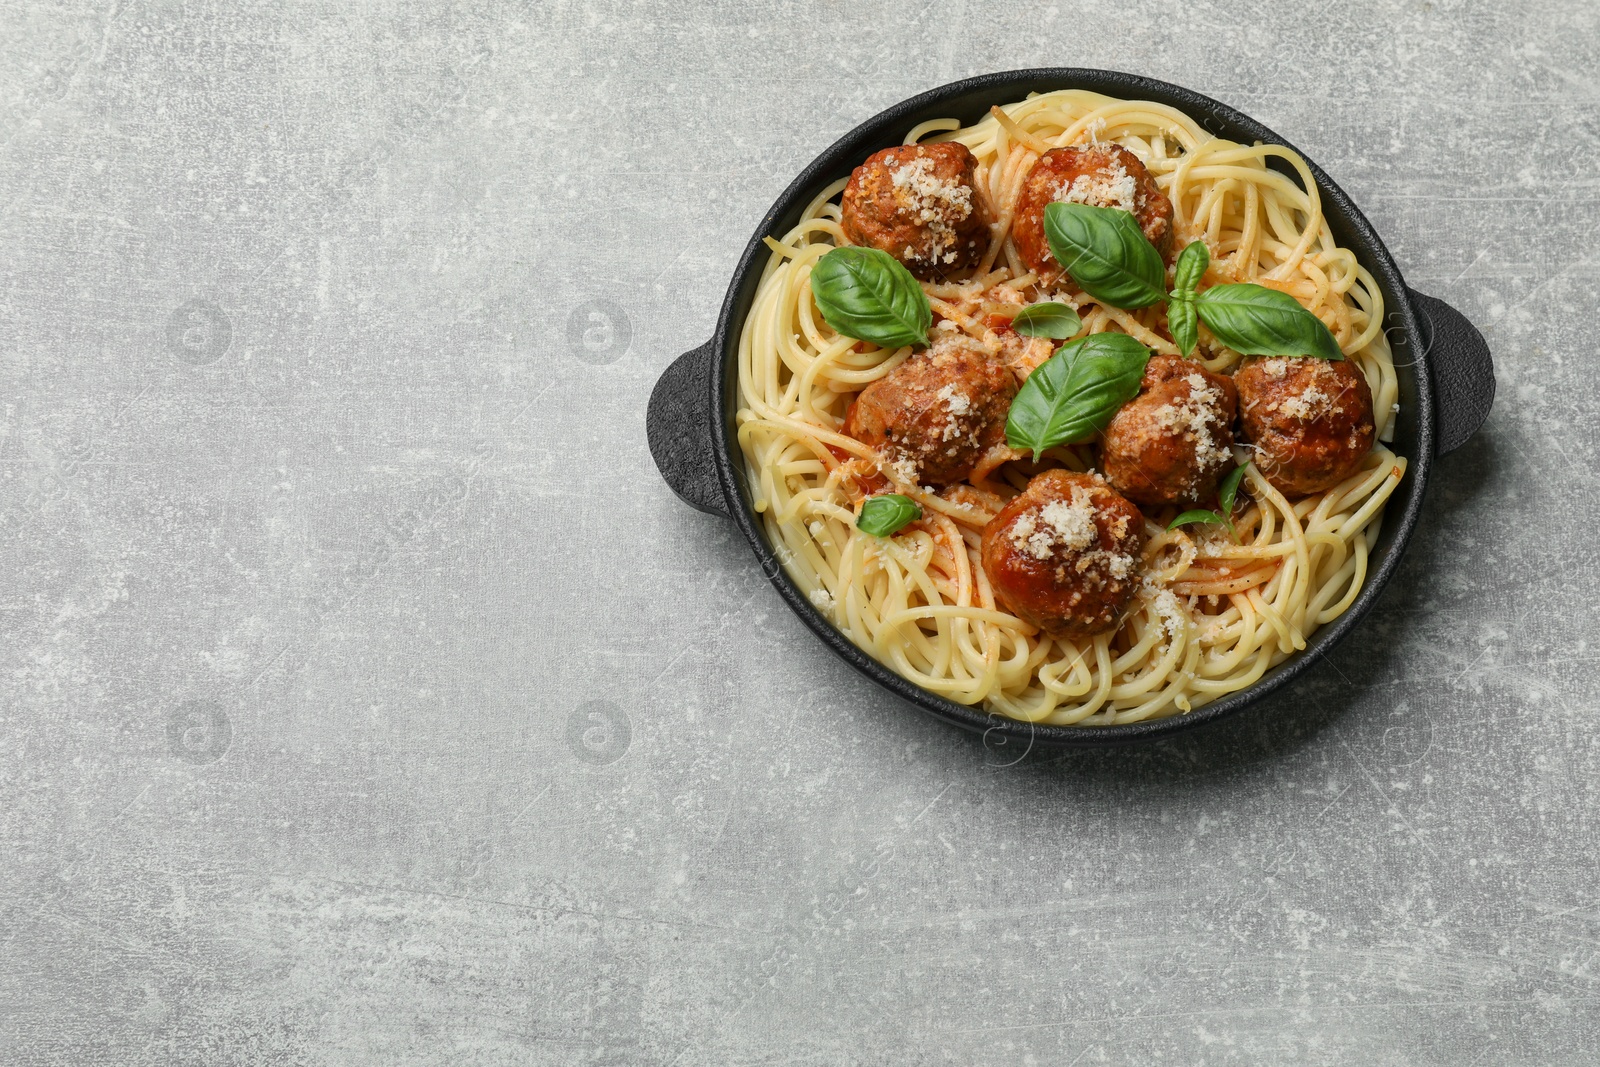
1064 555
1170 444
1100 175
917 203
1309 419
934 416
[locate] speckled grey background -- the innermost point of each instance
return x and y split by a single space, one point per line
366 699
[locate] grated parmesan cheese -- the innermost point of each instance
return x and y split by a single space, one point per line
935 202
1118 564
1169 608
1307 405
1193 416
1113 186
958 404
902 469
822 599
1174 619
1058 525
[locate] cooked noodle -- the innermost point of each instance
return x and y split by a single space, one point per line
1213 612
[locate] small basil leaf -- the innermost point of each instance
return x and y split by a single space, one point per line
1055 321
1181 321
886 514
1256 321
1197 516
1191 267
867 294
1230 489
1074 393
1192 264
1106 253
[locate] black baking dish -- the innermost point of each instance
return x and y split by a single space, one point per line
1445 374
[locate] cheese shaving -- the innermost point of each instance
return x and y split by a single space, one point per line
1109 186
935 202
957 404
903 469
1058 525
1311 403
1193 416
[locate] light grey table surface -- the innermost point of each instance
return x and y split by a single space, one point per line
366 698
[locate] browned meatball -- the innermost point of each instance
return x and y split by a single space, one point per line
1170 444
1100 175
1309 419
917 203
1064 555
934 416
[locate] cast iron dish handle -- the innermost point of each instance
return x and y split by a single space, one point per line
679 428
1463 373
679 421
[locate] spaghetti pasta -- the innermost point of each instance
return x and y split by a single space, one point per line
1214 610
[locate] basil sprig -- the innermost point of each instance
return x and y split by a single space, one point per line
1106 253
867 294
1256 321
886 514
1075 392
1055 321
1226 495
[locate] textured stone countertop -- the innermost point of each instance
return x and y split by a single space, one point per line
367 699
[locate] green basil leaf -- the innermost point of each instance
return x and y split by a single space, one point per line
1230 489
1197 516
867 294
1191 267
1055 321
1106 253
1256 321
1182 323
886 514
1074 393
